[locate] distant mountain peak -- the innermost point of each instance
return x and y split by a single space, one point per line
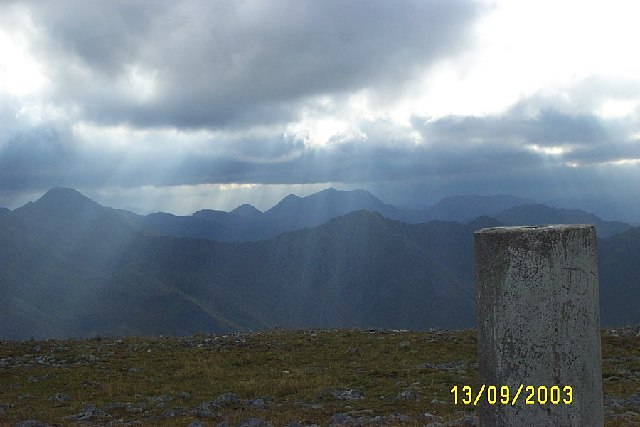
68 196
361 215
62 192
59 200
246 210
465 208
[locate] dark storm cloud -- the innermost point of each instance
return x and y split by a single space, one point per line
209 64
46 156
547 128
463 149
453 148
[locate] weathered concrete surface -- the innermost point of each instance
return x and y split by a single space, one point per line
538 322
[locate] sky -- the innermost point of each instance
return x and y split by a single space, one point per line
178 106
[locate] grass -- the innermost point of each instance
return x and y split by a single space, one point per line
295 372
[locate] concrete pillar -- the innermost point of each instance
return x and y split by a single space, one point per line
539 325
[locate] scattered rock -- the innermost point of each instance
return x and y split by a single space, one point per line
116 405
160 400
226 399
33 423
467 420
401 418
211 406
60 397
309 405
204 411
184 395
406 395
457 367
430 418
87 358
258 403
174 412
341 419
35 379
89 413
350 394
633 402
254 422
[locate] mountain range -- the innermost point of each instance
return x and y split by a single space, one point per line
72 267
246 223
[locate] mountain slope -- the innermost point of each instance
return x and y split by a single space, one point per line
365 270
63 258
619 264
467 207
72 267
87 272
247 211
320 207
541 214
246 223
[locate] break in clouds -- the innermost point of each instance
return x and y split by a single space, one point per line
167 94
455 147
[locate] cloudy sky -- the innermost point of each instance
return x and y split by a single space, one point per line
176 106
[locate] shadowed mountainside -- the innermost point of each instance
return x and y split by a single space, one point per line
536 214
75 268
467 207
619 264
246 223
72 267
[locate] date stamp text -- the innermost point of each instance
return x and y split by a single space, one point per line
505 395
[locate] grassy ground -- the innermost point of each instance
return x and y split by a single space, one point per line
299 375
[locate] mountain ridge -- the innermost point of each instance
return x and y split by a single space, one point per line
246 223
536 214
88 271
464 208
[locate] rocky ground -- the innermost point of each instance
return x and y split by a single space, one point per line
279 378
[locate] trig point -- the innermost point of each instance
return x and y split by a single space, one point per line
539 325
